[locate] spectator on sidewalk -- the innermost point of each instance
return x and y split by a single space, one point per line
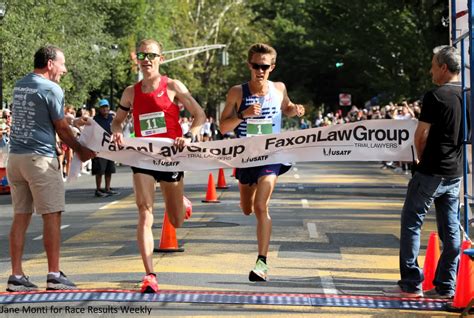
6 125
101 166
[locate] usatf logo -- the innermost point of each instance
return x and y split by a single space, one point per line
160 162
330 152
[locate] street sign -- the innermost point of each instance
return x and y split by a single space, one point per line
345 100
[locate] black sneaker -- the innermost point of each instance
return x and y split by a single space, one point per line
20 284
112 192
100 194
59 283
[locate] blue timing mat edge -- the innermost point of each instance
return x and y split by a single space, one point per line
209 297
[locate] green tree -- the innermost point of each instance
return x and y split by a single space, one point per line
198 23
385 46
30 24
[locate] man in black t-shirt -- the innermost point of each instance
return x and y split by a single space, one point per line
438 141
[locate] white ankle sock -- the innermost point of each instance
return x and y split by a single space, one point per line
56 274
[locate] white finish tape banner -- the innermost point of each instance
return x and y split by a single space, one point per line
372 140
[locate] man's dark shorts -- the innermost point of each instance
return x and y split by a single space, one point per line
160 175
101 166
251 175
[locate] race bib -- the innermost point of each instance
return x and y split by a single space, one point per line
259 126
152 123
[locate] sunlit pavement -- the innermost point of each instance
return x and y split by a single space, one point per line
335 237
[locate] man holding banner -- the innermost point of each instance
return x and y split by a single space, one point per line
255 108
156 114
438 141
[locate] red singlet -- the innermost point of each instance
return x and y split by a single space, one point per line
151 107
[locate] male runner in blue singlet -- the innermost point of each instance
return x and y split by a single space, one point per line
255 108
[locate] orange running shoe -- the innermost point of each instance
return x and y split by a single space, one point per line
188 206
149 284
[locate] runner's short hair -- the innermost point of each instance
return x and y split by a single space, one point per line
261 48
150 41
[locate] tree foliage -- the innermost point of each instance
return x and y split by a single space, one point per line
30 24
385 46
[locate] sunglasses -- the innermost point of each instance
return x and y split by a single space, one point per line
150 56
263 67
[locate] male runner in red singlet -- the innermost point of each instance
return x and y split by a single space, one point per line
256 108
152 99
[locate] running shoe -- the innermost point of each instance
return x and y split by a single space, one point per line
149 284
259 273
21 284
188 206
59 283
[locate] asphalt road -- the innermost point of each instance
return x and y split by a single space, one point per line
335 233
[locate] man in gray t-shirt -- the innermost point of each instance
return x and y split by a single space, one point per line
33 168
37 102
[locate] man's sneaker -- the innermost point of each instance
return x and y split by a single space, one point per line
100 194
397 291
433 293
259 273
112 192
149 284
189 208
59 283
20 284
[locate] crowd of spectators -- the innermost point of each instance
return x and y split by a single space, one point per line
403 110
209 130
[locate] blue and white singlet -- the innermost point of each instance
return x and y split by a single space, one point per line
270 112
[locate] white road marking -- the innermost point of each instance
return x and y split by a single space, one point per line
304 203
107 205
313 232
328 285
41 236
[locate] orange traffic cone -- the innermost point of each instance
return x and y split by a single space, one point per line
211 195
221 180
465 279
168 241
233 173
431 261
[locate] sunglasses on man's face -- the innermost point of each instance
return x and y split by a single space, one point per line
150 56
256 66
